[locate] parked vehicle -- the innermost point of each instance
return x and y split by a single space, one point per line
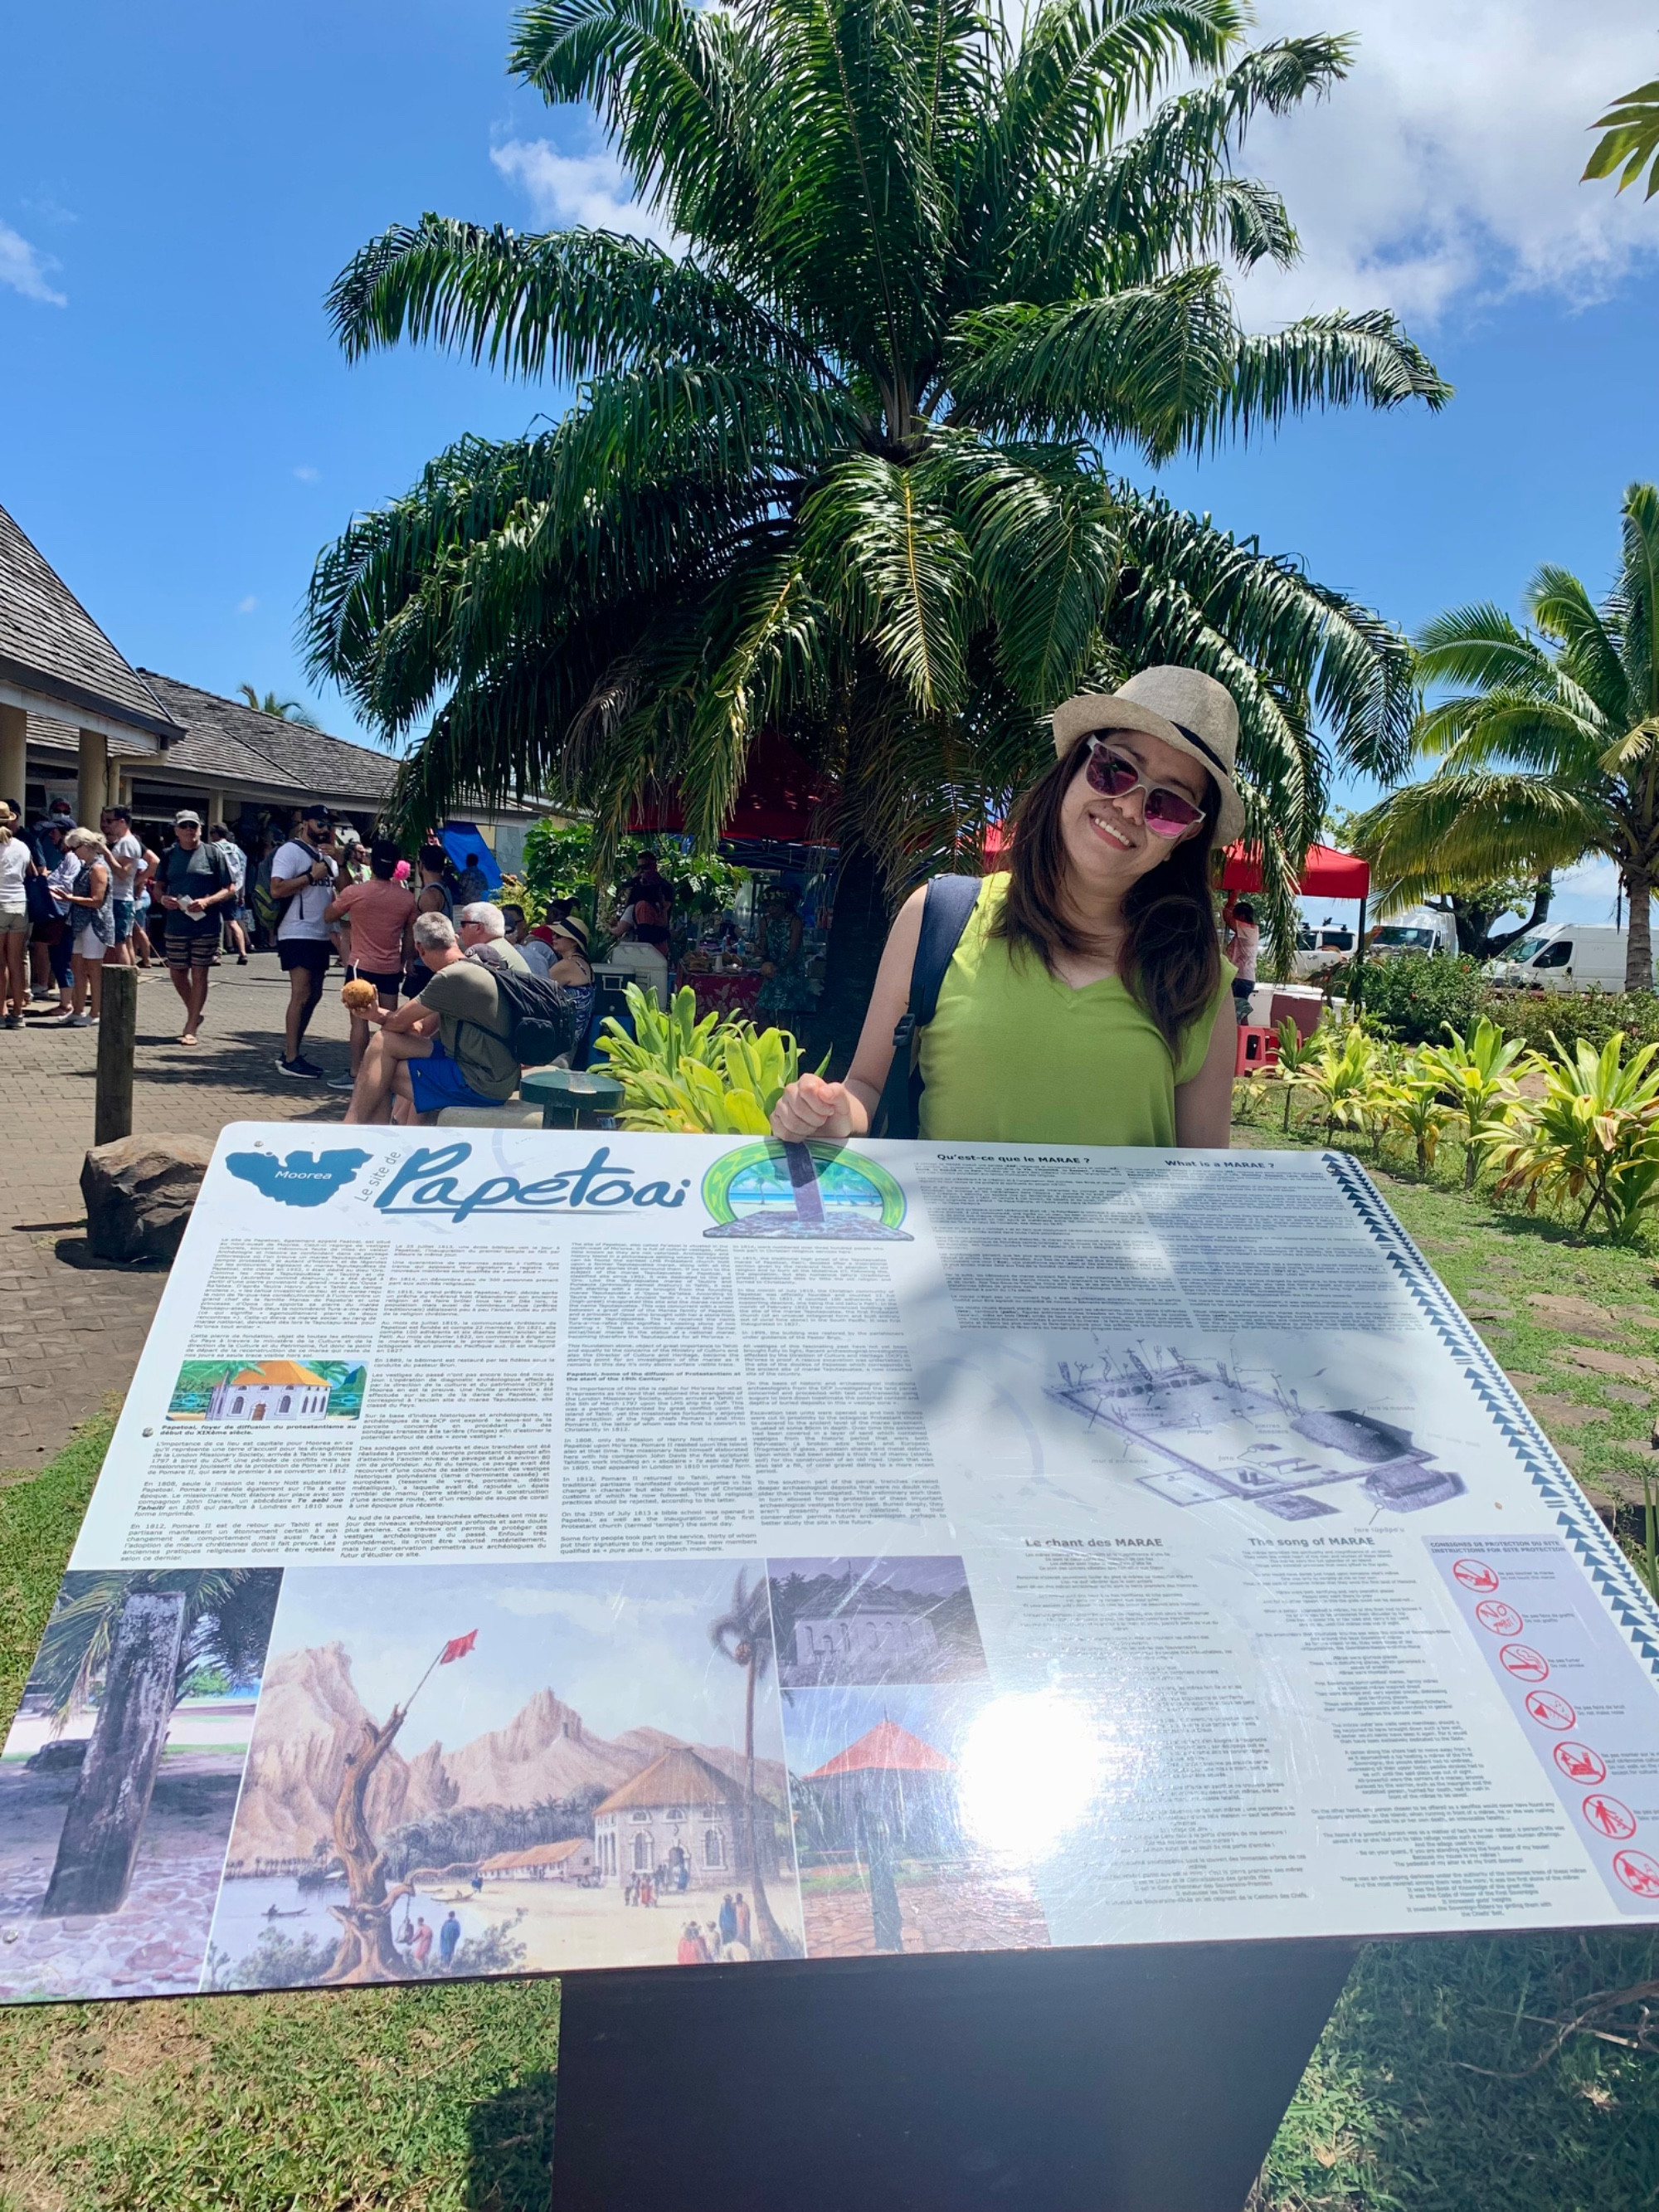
1565 957
1317 950
1419 929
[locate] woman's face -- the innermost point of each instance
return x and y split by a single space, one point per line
1107 840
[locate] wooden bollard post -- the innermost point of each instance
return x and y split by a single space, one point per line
118 1029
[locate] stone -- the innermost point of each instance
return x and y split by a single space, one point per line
1627 1396
1563 1412
1577 1314
138 1194
1597 1361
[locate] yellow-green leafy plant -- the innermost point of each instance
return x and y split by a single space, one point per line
1592 1138
1295 1052
718 1076
1418 1111
1477 1076
1340 1072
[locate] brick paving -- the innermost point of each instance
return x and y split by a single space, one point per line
71 1327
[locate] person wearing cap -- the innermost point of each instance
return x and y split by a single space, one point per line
303 871
193 886
1079 1006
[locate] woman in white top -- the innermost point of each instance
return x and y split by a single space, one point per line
92 917
16 866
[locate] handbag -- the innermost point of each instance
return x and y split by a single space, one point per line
42 906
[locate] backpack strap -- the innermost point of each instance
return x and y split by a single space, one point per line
945 911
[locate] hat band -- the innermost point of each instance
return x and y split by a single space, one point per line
1209 753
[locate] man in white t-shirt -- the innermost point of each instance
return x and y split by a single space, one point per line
303 871
127 855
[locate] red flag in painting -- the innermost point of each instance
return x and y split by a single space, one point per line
458 1647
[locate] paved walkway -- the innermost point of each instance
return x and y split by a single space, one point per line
71 1327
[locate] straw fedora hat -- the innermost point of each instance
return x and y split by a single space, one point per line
1184 707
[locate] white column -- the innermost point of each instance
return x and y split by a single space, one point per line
89 797
13 729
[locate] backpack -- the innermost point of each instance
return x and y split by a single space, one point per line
280 906
945 912
541 1025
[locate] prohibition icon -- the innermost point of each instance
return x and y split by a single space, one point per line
1551 1711
1503 1619
1637 1872
1579 1763
1521 1659
1474 1574
1609 1818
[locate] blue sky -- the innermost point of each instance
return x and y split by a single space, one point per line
178 186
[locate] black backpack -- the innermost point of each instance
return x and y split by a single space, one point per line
541 1024
945 912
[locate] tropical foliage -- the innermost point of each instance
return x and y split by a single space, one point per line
1593 1137
1479 1076
283 710
227 1625
718 1075
1549 747
1629 143
560 861
838 463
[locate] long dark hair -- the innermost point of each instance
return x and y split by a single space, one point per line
1171 962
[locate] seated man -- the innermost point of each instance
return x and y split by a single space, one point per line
484 938
447 1047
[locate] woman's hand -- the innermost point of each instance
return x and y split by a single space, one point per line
812 1108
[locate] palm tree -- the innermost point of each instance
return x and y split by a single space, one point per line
1552 751
744 1636
1630 140
840 464
284 710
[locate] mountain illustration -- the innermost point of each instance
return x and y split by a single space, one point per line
310 1716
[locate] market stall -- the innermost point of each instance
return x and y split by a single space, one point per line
1325 873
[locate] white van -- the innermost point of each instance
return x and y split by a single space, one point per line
1565 957
1419 929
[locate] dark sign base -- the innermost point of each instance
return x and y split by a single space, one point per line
1141 2080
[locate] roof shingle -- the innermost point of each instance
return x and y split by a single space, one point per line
50 644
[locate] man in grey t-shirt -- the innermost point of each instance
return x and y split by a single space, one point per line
447 1047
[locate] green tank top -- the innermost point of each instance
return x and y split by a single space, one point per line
1014 1055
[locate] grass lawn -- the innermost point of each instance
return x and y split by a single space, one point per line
1423 2096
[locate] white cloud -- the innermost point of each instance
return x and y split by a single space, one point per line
306 474
246 606
567 189
1445 169
25 269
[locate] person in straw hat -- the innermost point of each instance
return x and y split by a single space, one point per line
1079 1004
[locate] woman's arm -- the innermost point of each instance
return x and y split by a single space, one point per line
1204 1107
813 1107
99 879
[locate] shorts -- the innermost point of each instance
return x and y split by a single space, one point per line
89 945
437 1082
123 920
312 952
189 944
1242 990
387 981
14 921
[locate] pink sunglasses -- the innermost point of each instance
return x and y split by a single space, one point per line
1168 813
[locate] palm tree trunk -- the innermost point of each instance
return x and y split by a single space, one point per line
857 931
773 1943
1638 956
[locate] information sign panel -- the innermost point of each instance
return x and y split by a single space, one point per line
526 1552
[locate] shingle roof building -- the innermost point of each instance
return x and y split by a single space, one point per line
51 651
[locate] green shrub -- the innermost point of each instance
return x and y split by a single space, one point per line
1590 1018
1411 996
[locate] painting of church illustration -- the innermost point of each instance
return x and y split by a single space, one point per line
683 1822
272 1390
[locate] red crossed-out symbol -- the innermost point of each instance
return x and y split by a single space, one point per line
1580 1763
1551 1711
1609 1818
1503 1619
1521 1659
1474 1574
1637 1872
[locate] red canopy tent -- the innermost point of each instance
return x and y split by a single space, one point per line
1325 873
780 800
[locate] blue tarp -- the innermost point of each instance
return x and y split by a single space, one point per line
466 849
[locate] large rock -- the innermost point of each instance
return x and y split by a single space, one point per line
139 1192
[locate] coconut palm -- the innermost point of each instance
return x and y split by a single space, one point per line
744 1636
1630 140
838 463
283 710
1550 752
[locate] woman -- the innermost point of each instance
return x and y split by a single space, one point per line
16 865
787 991
91 899
1080 1003
572 975
378 911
